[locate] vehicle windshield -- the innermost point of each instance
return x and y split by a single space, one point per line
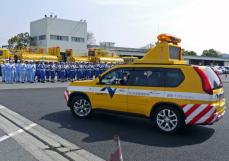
213 78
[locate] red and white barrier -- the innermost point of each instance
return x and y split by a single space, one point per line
199 113
117 155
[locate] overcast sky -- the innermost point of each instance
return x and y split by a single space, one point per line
201 24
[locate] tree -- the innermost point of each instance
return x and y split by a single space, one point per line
91 38
20 41
189 53
211 53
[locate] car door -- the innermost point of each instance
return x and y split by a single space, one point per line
111 92
146 88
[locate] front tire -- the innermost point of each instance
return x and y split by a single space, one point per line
81 107
168 119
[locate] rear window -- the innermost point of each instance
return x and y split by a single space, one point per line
212 77
173 77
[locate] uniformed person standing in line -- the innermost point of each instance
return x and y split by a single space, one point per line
62 73
33 72
47 71
28 72
7 72
17 71
58 68
37 73
42 72
76 71
71 71
67 71
12 72
3 71
22 70
52 72
80 71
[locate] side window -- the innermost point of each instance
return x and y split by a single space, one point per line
116 77
147 77
1 53
173 77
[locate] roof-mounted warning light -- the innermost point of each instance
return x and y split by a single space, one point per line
168 38
166 51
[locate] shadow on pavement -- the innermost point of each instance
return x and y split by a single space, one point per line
102 127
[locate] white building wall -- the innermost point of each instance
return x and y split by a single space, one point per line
38 28
60 27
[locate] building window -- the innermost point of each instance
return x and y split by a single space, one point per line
34 38
78 39
42 37
58 37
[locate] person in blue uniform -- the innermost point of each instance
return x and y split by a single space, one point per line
58 68
47 71
67 71
3 71
17 71
97 70
37 72
12 71
71 71
22 71
52 72
42 72
33 74
62 72
7 72
28 72
80 71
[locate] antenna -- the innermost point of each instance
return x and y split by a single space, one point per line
51 15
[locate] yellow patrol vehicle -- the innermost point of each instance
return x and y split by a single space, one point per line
160 86
98 55
4 55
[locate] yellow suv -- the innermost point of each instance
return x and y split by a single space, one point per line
160 86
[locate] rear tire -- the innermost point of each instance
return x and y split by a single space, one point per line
81 107
168 119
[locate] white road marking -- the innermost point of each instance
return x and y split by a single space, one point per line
40 142
5 137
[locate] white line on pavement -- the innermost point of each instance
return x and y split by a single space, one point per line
16 132
40 142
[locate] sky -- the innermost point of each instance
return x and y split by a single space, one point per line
201 24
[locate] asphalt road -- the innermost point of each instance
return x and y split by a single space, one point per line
139 139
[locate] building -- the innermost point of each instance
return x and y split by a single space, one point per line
67 34
139 52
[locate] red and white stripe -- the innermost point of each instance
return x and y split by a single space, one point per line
66 95
117 155
199 113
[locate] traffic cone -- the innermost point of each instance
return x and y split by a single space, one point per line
117 155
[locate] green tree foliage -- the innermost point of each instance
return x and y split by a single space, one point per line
211 53
20 41
189 53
